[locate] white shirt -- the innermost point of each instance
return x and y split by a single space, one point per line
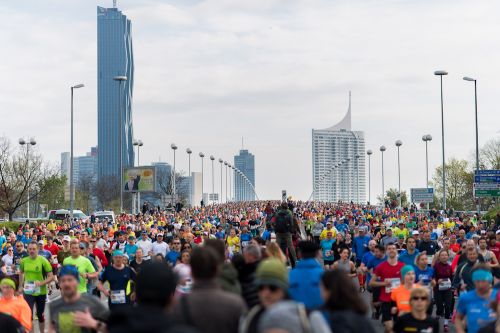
146 246
161 248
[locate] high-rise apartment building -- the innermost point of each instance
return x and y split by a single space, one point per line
114 97
83 166
245 162
338 156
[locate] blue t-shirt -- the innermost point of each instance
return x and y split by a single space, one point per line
476 309
408 259
245 239
342 227
365 260
172 257
130 250
374 262
424 275
360 245
326 249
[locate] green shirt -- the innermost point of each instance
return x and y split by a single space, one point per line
34 270
84 266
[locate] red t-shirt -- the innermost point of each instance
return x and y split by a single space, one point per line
53 249
496 250
386 271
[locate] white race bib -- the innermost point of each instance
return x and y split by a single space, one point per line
30 288
328 253
118 297
445 285
395 282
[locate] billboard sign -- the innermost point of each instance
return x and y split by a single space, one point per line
422 195
139 179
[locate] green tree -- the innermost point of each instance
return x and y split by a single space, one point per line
53 192
459 178
391 197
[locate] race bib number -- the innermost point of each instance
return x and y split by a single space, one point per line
395 282
445 285
244 243
30 288
10 270
54 260
231 249
429 259
118 297
328 253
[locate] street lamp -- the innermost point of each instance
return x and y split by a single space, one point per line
202 199
382 149
426 138
399 143
29 143
230 181
477 130
369 152
189 152
120 79
139 144
220 161
225 164
174 148
212 158
71 179
357 177
441 74
348 179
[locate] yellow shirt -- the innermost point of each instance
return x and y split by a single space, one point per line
51 226
326 231
234 243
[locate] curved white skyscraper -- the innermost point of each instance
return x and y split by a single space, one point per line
337 173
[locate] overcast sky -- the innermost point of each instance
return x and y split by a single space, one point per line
209 72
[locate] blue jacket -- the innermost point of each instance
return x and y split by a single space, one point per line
304 283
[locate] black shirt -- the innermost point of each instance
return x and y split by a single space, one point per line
10 324
136 266
407 323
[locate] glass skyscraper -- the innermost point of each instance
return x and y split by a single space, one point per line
338 156
114 58
245 162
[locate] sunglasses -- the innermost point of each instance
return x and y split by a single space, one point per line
421 298
10 250
176 243
271 288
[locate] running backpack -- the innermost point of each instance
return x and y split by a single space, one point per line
283 222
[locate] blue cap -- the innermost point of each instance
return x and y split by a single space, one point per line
118 253
69 270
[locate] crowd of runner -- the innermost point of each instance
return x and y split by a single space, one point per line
271 267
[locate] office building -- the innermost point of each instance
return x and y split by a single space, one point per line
114 98
196 195
337 173
245 162
83 166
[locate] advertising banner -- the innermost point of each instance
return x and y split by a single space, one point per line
139 179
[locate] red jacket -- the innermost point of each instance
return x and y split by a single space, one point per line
99 254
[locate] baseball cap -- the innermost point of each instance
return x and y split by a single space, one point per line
415 232
131 237
118 253
40 242
66 239
159 235
497 232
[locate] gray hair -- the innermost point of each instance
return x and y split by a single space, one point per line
254 251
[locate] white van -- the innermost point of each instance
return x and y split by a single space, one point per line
61 214
105 214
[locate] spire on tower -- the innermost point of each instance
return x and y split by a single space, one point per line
114 3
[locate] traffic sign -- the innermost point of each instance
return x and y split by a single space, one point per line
487 172
486 183
422 194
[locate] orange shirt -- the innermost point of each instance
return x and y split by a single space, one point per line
19 309
401 296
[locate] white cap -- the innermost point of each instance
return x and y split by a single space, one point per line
67 238
498 232
415 232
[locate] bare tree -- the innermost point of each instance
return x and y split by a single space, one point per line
490 154
165 185
84 190
107 190
22 176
